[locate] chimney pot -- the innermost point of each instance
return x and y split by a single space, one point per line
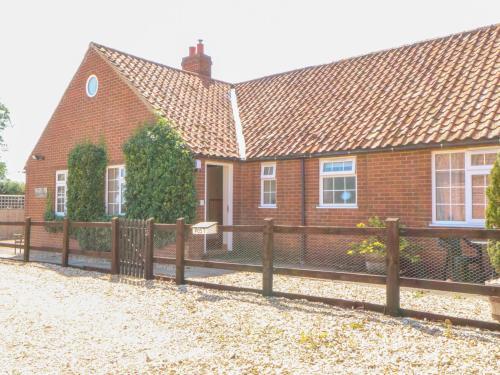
197 62
200 47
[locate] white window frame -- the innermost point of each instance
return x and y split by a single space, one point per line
65 184
120 167
323 175
469 171
89 94
263 178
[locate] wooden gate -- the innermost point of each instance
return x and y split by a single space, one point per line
135 248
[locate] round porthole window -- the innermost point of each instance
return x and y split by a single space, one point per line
92 86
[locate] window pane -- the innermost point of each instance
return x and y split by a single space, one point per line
345 197
457 195
339 183
328 183
442 179
458 213
490 158
268 170
269 186
457 178
442 161
478 211
112 173
338 166
443 212
61 177
348 166
442 195
112 197
350 183
272 198
328 197
477 159
457 160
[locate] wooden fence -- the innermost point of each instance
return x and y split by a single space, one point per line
392 280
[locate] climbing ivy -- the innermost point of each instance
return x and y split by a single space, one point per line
85 194
160 174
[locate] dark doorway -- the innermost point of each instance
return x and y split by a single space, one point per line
215 200
215 193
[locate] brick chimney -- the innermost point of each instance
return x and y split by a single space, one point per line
197 61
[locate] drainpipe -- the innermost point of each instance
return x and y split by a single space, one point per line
303 210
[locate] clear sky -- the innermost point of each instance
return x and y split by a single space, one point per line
43 42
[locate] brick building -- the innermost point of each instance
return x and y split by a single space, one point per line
410 132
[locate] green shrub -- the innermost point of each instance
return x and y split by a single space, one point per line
375 245
493 213
85 196
160 174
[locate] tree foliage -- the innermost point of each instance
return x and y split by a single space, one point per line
4 122
4 119
493 213
11 187
160 174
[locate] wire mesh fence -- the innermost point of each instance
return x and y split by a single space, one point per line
164 241
455 259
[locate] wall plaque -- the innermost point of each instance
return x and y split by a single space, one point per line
41 192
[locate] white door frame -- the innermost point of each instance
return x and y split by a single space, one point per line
227 200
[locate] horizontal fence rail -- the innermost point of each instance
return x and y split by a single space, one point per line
176 239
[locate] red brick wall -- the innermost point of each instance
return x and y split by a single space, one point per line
112 115
396 184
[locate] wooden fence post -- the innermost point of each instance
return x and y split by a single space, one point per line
179 251
392 262
65 244
148 264
267 258
115 250
27 235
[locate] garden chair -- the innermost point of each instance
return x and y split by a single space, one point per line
18 242
457 265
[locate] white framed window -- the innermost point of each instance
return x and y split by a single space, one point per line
338 185
268 185
459 182
92 86
61 193
115 190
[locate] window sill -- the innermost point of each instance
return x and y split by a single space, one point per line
337 206
457 225
274 206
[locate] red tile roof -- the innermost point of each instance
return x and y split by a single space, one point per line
198 107
439 91
442 90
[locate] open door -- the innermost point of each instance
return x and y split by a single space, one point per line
219 203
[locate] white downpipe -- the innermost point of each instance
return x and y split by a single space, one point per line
237 122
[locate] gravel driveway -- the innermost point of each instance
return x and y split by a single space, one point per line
56 320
